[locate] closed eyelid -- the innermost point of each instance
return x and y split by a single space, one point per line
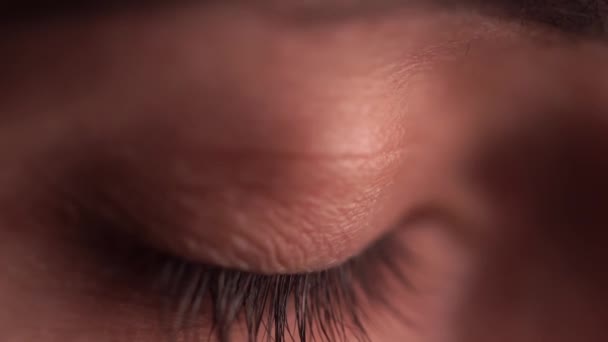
259 214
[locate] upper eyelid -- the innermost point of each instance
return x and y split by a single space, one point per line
102 186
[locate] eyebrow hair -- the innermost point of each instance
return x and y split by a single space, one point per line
581 17
587 17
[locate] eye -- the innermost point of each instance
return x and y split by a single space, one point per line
94 216
327 305
333 304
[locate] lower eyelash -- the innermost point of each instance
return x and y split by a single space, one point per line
326 304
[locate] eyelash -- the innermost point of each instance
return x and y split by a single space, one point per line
326 304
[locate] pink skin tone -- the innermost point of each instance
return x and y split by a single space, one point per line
310 142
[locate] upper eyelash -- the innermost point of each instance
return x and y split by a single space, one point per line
326 304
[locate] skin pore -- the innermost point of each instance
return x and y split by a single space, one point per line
280 139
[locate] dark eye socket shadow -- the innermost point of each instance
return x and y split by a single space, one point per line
581 17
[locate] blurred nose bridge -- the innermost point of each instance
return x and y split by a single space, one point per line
549 181
542 275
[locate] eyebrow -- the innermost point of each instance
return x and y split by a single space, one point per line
587 17
580 17
584 17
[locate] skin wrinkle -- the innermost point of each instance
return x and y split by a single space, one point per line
322 205
275 238
275 235
286 216
261 203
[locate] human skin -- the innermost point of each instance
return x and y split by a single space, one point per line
304 141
